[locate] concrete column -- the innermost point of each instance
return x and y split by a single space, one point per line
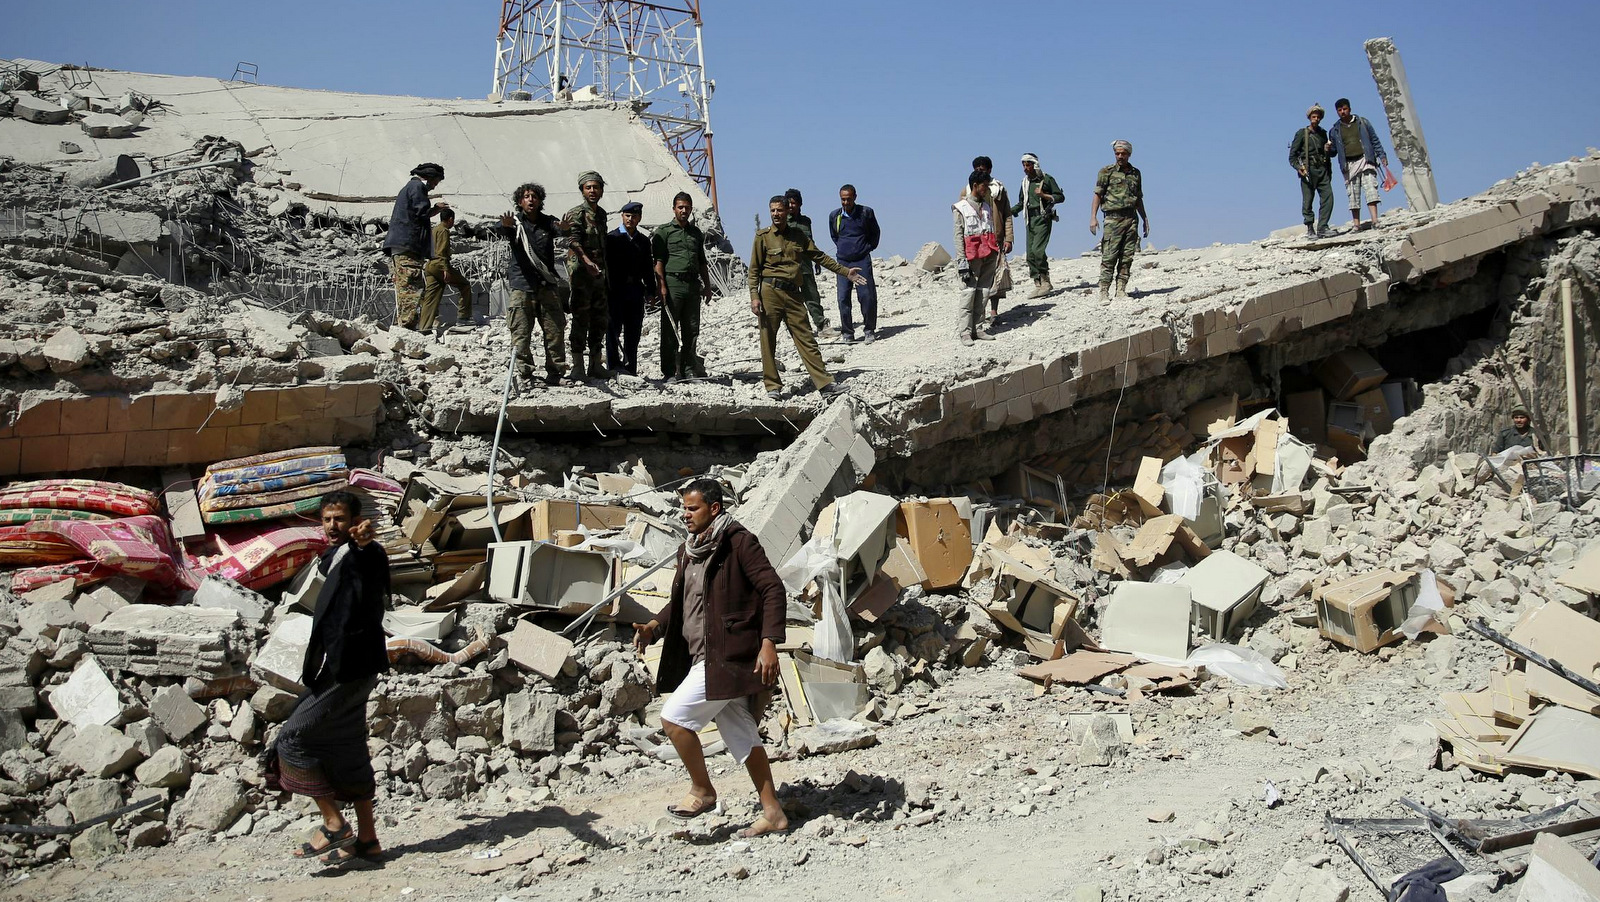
1410 148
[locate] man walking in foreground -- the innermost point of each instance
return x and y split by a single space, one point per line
781 252
854 229
1040 194
1308 154
1354 143
321 751
407 241
683 280
438 274
631 277
1119 193
721 630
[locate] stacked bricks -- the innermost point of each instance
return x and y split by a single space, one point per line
173 428
1436 246
830 457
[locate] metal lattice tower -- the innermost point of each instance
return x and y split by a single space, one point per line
622 50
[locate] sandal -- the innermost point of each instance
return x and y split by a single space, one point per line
336 840
366 850
684 814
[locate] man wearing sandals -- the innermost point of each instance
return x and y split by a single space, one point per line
321 751
721 631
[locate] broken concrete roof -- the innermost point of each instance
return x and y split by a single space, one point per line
352 152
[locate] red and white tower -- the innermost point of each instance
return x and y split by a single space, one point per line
647 53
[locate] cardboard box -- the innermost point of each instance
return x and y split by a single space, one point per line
1203 414
1225 589
940 539
550 516
1308 415
1349 373
1365 612
416 623
1375 410
830 690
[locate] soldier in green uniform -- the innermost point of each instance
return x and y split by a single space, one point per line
1308 154
780 254
1119 191
808 281
684 282
585 228
1040 194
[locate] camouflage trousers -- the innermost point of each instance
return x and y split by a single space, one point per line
1118 243
591 315
408 284
523 308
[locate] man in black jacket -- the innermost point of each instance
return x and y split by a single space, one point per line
531 273
321 751
630 278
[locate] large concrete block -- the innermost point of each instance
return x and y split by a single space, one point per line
88 697
101 751
176 713
529 721
281 661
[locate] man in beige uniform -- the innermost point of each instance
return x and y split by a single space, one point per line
776 262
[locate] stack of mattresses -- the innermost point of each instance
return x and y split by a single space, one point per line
271 486
86 531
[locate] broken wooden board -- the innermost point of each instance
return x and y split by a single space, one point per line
1561 634
1078 668
1556 738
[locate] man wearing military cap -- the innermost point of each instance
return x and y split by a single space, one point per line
630 278
408 238
1119 193
781 253
585 228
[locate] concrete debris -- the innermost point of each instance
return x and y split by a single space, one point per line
152 640
101 751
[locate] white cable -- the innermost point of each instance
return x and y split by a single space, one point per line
1111 440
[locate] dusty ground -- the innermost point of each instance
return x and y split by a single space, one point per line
982 749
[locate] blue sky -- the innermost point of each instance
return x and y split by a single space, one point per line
897 96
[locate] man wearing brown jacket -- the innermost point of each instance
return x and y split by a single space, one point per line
721 630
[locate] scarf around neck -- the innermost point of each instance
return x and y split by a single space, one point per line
701 547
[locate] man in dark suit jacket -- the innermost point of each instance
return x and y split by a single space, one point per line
721 631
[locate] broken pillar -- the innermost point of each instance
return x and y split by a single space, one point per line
1405 130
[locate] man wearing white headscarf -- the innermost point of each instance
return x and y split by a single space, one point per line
1040 194
1119 193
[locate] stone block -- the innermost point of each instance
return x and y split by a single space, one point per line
537 649
1557 872
146 449
1297 881
931 258
48 616
212 803
168 767
273 704
180 410
94 452
101 751
157 640
92 798
106 125
67 351
88 697
10 456
260 406
42 418
176 713
281 661
529 722
84 415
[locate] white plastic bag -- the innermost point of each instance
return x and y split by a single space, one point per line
1426 609
818 560
1242 665
1184 480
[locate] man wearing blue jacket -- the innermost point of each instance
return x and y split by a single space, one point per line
854 229
1353 142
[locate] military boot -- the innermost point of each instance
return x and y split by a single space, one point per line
1045 287
597 370
1038 289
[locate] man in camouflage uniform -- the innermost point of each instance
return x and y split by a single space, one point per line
684 282
781 252
1040 194
407 241
808 282
585 228
1119 192
535 285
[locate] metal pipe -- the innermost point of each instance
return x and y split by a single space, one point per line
209 164
1574 437
1482 628
494 449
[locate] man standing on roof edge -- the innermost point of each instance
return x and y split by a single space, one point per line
407 241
